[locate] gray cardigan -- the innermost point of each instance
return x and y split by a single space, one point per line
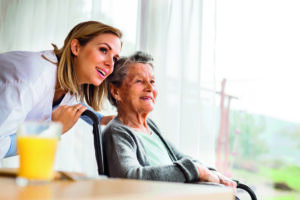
125 156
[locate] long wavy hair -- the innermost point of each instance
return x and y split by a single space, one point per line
66 76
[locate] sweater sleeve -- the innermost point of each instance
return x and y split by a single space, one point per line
125 159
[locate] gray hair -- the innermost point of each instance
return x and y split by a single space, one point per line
121 68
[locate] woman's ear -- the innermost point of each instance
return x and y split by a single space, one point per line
75 46
114 92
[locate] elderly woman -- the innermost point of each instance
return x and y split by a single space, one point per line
133 145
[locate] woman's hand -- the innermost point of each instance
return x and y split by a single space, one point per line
205 175
225 180
106 119
68 115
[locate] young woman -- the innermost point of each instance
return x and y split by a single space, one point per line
53 85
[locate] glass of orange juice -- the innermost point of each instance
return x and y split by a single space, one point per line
36 144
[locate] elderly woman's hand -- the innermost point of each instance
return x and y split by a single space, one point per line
225 180
68 115
205 175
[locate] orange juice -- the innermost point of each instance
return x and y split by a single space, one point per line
37 156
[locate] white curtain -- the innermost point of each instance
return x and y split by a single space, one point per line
35 24
180 36
173 32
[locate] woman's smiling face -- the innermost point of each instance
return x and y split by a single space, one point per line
95 60
138 92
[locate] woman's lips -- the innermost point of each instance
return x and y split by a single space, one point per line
101 72
147 98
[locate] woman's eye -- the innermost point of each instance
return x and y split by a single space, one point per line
138 81
104 50
152 81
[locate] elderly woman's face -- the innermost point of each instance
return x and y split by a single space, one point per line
138 92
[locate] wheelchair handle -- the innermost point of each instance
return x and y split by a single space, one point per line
248 189
97 140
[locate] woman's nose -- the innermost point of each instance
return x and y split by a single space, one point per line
109 61
149 86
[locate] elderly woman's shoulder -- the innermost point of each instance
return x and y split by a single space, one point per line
115 126
116 133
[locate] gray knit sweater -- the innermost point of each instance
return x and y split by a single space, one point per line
125 156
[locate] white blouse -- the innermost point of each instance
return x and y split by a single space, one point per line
27 86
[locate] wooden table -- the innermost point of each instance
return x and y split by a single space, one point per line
111 189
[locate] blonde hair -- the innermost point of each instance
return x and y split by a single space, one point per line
66 76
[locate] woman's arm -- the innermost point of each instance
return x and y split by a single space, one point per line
125 158
104 120
12 151
16 102
206 174
5 143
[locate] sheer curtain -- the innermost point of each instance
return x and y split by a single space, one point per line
34 25
180 36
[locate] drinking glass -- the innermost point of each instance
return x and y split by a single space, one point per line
36 144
